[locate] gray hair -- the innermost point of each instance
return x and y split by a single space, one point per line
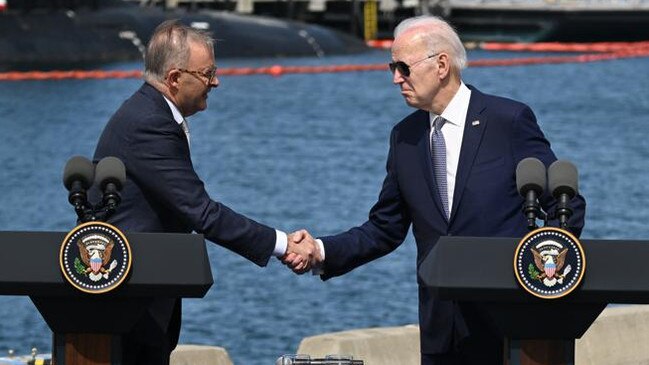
169 48
439 36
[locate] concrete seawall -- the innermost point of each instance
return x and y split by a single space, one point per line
619 336
200 355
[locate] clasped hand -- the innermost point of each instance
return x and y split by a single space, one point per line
302 253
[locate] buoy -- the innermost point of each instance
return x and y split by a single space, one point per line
275 70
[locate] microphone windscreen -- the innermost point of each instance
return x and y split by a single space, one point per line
562 178
530 175
110 170
284 360
78 168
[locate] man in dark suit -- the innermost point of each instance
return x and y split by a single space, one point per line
450 171
162 192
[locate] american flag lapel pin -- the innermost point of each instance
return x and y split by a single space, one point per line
475 123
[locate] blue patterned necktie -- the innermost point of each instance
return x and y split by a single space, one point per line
439 161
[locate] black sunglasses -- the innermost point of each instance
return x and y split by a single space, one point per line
404 68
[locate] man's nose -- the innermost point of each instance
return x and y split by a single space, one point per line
397 77
215 82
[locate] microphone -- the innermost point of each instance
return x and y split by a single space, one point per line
562 176
531 181
110 177
307 360
78 176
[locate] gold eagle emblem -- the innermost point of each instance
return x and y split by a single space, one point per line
95 251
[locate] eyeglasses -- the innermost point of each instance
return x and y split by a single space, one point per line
404 68
209 75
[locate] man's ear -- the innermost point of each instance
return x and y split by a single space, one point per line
172 78
443 65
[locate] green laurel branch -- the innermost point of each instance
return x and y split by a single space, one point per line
78 266
531 270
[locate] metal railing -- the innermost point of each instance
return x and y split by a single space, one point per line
327 360
592 5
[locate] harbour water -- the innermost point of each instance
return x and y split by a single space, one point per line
308 151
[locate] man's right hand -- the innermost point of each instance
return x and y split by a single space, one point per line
302 252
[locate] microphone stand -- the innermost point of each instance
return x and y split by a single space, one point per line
82 207
564 212
107 207
100 212
532 210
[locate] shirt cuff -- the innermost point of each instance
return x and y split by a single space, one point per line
318 270
321 247
281 242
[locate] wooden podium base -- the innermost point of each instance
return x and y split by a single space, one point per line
539 352
86 349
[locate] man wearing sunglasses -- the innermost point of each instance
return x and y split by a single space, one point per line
162 192
450 171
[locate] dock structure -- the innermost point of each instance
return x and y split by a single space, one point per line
368 19
551 20
476 20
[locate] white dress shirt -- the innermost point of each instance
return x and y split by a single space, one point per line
281 239
453 130
178 117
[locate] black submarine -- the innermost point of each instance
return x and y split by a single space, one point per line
48 35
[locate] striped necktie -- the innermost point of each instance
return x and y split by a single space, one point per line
439 161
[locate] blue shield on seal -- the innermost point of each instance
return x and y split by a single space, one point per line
95 264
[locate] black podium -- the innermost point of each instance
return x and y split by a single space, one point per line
87 327
537 331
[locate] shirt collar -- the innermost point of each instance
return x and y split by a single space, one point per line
178 117
455 112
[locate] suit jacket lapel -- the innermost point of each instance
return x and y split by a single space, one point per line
426 159
474 128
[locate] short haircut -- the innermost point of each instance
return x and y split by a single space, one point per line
439 36
169 48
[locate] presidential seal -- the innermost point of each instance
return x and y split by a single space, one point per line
549 263
95 257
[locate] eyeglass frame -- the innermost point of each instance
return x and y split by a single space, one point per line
404 68
209 77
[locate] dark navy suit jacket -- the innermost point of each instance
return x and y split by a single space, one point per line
486 202
162 192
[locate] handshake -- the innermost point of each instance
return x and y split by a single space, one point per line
302 252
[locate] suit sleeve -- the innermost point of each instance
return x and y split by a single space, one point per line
529 141
159 162
383 232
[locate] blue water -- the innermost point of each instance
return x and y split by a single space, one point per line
309 151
